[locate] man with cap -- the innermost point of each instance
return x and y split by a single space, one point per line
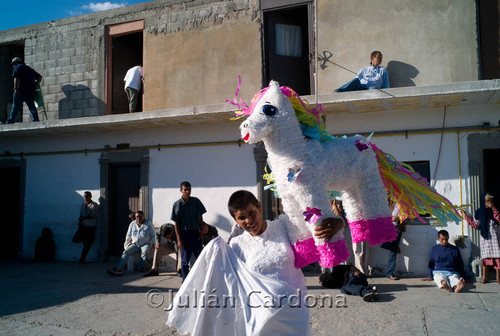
25 79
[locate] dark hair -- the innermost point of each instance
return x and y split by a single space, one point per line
374 54
166 229
139 212
88 192
185 184
239 200
443 233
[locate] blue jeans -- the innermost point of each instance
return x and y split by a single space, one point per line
356 285
391 264
354 85
192 244
130 251
18 100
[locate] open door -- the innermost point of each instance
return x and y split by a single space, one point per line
124 50
287 48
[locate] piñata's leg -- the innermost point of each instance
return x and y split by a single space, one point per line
305 252
333 253
377 214
354 214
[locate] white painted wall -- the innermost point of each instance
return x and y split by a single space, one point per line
54 194
55 183
417 241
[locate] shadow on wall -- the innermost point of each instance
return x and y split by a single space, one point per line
325 58
401 74
79 102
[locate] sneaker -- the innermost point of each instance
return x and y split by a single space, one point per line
151 273
114 272
369 296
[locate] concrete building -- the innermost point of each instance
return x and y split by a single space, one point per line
441 113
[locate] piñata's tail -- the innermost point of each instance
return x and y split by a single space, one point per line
412 192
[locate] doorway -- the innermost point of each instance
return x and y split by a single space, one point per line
7 53
124 50
124 198
491 162
287 48
11 207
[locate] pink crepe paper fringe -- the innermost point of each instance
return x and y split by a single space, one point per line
375 231
359 230
328 254
381 230
305 252
333 254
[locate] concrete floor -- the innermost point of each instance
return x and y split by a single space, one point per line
64 298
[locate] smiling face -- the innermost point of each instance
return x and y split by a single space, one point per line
269 110
250 219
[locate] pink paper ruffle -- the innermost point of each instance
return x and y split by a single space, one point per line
375 231
333 254
305 252
381 230
359 230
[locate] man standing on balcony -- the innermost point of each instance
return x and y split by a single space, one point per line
25 79
133 82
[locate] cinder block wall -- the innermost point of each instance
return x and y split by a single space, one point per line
70 53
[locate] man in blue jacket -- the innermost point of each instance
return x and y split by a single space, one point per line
25 79
446 267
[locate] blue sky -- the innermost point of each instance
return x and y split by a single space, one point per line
26 12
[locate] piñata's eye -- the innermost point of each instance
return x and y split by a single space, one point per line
269 110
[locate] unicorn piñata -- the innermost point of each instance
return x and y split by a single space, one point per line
307 162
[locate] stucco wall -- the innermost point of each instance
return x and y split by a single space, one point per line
423 42
201 67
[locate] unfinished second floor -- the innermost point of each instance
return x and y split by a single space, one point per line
193 51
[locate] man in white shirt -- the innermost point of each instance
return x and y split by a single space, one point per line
139 239
133 81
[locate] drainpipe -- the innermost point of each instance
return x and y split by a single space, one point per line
460 177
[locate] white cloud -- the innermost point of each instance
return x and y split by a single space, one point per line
101 6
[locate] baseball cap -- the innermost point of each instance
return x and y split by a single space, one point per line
16 60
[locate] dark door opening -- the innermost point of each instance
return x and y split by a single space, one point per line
10 207
124 197
7 53
491 162
286 44
489 38
126 53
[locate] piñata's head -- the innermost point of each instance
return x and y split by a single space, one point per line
279 110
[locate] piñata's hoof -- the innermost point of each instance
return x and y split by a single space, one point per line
381 230
305 253
333 254
359 230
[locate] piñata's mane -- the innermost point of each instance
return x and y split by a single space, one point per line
309 117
